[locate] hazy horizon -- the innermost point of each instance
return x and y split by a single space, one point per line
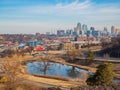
31 16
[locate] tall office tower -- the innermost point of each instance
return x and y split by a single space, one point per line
113 31
69 32
78 28
99 33
84 29
92 28
105 31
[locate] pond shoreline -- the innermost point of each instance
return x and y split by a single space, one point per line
61 61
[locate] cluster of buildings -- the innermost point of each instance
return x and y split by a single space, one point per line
115 31
83 31
80 36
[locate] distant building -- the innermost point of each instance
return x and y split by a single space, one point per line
60 32
21 45
78 29
88 33
39 48
92 28
47 33
84 29
105 32
74 33
117 31
113 30
105 29
1 37
69 32
32 43
37 34
95 33
67 46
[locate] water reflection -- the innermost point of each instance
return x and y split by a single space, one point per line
72 72
44 66
55 69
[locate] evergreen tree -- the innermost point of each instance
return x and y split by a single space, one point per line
103 76
90 55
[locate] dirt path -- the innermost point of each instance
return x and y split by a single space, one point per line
48 82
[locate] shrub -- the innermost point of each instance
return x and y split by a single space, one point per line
103 76
90 55
3 79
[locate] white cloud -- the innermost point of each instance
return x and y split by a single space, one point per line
74 5
97 15
59 8
75 9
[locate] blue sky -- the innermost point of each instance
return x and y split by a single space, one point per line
30 16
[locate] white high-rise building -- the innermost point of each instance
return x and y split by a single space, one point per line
78 29
84 29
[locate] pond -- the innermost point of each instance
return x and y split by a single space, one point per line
56 69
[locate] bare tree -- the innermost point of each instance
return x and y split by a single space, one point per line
10 69
45 65
72 54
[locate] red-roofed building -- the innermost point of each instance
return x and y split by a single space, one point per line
39 48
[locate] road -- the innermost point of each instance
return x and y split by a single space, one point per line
113 60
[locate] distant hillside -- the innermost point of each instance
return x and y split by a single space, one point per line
113 48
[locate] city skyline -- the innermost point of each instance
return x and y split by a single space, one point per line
30 16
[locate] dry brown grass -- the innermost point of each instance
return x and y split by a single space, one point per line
116 68
54 82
